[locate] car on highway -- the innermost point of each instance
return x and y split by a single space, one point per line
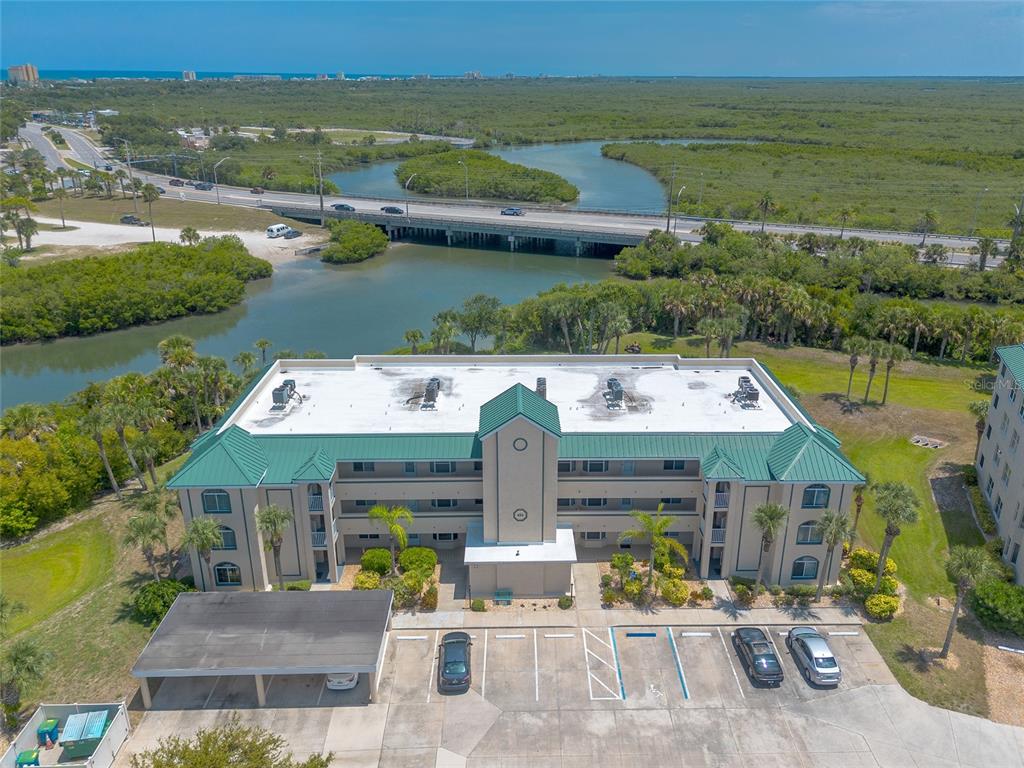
191 182
257 191
161 190
291 234
513 212
453 663
343 207
108 167
392 209
131 218
811 653
342 681
757 655
205 186
176 183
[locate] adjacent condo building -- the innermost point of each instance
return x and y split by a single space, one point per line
1000 459
519 465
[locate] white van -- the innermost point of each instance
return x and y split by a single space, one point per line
277 230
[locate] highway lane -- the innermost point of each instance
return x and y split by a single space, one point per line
33 134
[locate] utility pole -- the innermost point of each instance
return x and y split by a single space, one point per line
320 176
411 177
466 169
1018 220
977 205
700 197
668 213
216 186
131 174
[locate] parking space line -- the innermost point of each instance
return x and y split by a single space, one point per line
679 664
844 634
536 670
435 658
483 675
586 663
510 637
695 634
591 677
774 647
567 634
728 657
210 694
411 637
618 666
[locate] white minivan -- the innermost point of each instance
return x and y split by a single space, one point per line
277 230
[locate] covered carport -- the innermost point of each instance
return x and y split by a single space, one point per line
259 634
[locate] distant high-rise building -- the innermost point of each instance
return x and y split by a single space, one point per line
23 74
340 76
188 75
473 75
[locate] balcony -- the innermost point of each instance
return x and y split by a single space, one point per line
721 500
319 539
718 535
316 503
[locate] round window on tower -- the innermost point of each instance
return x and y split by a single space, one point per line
519 444
519 515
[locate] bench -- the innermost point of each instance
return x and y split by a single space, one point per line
503 597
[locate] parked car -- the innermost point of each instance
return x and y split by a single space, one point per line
342 207
257 191
342 681
161 190
392 209
277 230
291 234
176 183
811 653
131 218
205 186
513 212
453 663
758 655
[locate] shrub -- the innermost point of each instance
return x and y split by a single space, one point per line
606 580
867 560
377 560
970 473
863 581
565 602
420 559
882 606
673 572
706 593
999 606
801 590
353 241
622 564
633 590
413 581
610 597
366 580
153 600
743 594
477 605
982 511
298 586
889 586
736 581
775 590
429 600
675 591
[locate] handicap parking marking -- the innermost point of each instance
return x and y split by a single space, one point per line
732 666
588 654
679 664
618 666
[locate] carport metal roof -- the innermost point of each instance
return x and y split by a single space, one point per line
268 633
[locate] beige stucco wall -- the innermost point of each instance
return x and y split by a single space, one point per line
517 479
524 579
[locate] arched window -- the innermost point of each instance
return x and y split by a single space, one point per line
228 540
227 575
808 533
805 568
216 502
816 497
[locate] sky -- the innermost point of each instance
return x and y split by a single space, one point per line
724 38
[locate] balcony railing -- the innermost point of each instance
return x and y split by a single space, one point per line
721 500
718 535
319 539
316 503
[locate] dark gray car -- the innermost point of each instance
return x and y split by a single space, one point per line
453 663
758 655
811 653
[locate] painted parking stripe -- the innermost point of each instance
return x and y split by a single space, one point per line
434 659
732 666
536 669
844 634
567 634
641 634
483 676
510 637
695 634
618 666
591 677
679 664
411 637
322 689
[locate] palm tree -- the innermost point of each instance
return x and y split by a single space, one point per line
845 214
894 355
149 196
121 175
392 518
203 535
147 447
94 422
766 205
618 326
768 518
966 566
273 522
27 420
263 345
26 228
986 247
979 410
897 504
834 528
189 236
708 328
729 328
145 530
858 499
23 664
246 361
60 194
8 610
854 346
119 416
413 337
875 350
929 221
653 528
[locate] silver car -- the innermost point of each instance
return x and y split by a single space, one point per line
811 653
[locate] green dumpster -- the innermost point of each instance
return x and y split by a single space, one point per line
82 733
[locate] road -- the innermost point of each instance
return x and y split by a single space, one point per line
475 211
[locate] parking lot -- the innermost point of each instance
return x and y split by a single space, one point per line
674 696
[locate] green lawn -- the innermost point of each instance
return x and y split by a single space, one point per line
167 212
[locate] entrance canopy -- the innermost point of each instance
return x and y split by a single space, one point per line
268 633
478 551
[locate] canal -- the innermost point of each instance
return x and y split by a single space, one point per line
340 310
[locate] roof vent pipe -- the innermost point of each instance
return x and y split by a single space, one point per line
542 387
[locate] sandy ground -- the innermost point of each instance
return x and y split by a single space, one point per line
96 235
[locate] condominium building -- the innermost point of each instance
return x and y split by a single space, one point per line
23 74
520 464
1000 459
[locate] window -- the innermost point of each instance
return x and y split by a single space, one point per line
362 466
626 503
566 466
595 466
446 537
594 502
1020 411
442 467
815 497
1014 441
478 502
478 466
988 431
567 502
365 502
670 500
227 575
1013 395
1004 423
674 465
981 460
997 510
228 540
444 503
808 533
1007 472
988 487
995 401
1016 552
369 536
410 467
1002 370
594 535
805 568
216 502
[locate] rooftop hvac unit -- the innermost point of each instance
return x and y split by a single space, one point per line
614 385
542 387
433 387
745 382
289 384
615 395
751 394
280 395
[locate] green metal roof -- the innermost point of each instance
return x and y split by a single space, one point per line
317 467
233 458
515 401
1013 358
718 464
800 455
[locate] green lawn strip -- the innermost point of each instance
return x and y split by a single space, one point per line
78 164
56 569
167 212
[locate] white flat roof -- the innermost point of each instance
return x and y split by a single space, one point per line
383 395
561 550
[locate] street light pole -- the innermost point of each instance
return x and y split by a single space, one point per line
320 176
466 169
216 186
977 206
700 197
131 174
675 219
668 213
411 177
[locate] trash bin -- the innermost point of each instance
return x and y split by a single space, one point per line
48 729
26 758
